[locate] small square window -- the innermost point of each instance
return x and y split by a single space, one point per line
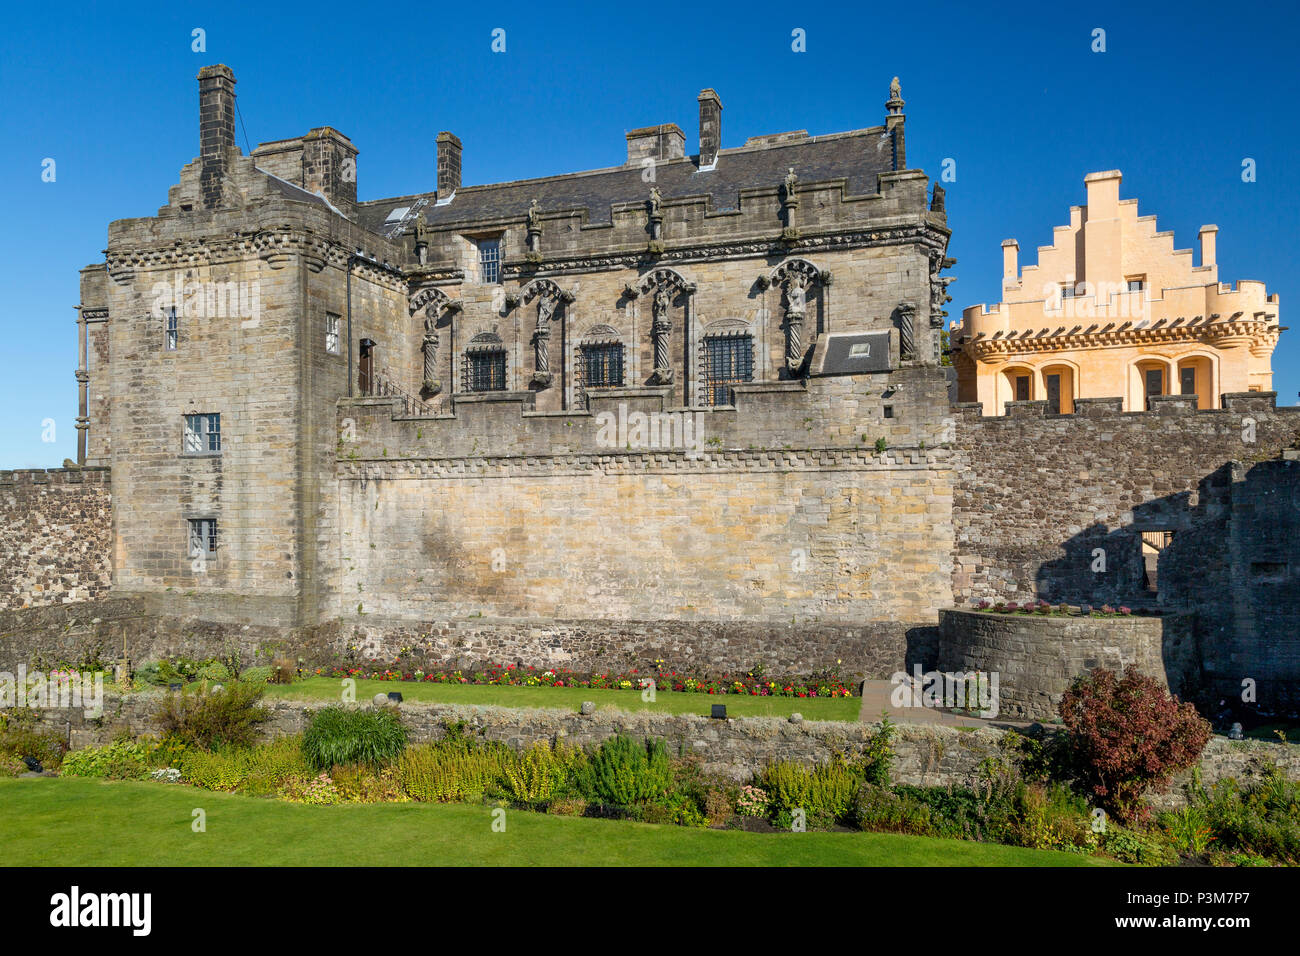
487 371
489 260
331 333
203 434
1136 283
173 336
203 537
603 365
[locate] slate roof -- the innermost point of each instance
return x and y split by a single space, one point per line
856 156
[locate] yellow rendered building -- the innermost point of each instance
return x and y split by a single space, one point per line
1113 309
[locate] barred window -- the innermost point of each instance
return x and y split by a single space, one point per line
203 537
331 333
728 360
202 434
487 370
173 330
603 365
489 260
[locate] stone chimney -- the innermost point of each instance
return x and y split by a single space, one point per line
329 165
710 127
666 141
1010 261
449 150
1103 245
216 129
1209 236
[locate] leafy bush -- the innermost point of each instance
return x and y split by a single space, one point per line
1189 829
258 771
1130 846
624 772
824 793
318 790
22 735
1259 819
120 760
877 759
351 735
1051 818
541 773
752 802
451 770
11 765
255 675
362 783
678 809
229 717
1128 735
878 809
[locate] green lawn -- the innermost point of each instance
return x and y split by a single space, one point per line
571 698
77 822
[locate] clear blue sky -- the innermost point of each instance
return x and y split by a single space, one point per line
1013 93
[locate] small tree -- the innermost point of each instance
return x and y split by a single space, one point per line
1128 735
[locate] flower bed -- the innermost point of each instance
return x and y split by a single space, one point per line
1054 610
753 684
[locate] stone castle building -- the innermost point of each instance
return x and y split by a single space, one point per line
688 408
1112 308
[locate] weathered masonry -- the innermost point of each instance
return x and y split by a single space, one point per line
776 307
690 407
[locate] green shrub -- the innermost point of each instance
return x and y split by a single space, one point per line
341 735
120 760
1131 846
451 770
878 809
624 772
786 785
221 770
877 759
1189 829
11 765
229 717
22 735
539 774
213 670
1259 819
255 675
678 809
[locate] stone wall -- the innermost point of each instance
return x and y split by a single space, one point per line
785 514
55 536
1036 657
925 755
1054 507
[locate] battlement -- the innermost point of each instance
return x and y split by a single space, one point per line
94 475
904 407
1162 406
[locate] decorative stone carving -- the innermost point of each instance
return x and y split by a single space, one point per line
422 234
795 308
431 385
907 331
661 331
789 207
939 296
894 105
654 211
534 223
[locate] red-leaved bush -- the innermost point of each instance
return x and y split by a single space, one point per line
1128 734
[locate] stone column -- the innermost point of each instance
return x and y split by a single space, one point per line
430 346
907 331
83 382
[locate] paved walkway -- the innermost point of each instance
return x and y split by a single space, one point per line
876 700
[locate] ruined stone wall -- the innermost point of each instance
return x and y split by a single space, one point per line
55 534
1053 507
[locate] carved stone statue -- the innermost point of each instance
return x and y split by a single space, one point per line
661 330
545 309
895 89
541 343
534 218
656 201
655 207
791 180
796 296
534 239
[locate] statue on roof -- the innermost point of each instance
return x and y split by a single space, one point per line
534 218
